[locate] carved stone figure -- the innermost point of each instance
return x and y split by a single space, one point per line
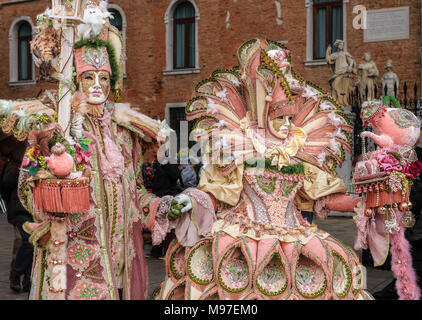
343 67
389 80
368 73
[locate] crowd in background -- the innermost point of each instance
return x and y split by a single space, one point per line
164 179
11 154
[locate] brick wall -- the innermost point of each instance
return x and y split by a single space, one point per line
147 87
403 53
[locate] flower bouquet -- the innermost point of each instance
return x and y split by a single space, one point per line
54 165
384 179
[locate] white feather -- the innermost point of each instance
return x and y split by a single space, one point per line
326 106
340 134
321 158
335 146
94 18
309 93
222 94
76 126
335 120
212 107
19 113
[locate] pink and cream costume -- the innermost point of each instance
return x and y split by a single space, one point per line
384 178
259 246
88 253
104 248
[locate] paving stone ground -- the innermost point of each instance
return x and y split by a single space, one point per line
341 228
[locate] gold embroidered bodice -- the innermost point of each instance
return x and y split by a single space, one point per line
268 196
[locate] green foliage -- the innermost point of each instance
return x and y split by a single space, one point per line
396 155
59 139
386 101
290 169
84 143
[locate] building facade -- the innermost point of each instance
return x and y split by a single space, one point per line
171 45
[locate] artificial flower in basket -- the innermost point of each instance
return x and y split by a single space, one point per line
52 163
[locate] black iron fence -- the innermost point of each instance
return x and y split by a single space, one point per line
408 97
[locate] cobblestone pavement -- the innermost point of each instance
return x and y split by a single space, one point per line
341 228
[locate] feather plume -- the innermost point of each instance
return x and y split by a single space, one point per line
79 103
156 129
94 18
41 137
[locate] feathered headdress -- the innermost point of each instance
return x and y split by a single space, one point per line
239 105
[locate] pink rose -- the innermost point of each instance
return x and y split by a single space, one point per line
25 162
413 169
388 162
81 155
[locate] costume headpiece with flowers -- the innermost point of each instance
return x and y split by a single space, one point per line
370 110
100 46
103 50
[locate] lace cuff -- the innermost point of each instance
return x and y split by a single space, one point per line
162 225
320 207
361 221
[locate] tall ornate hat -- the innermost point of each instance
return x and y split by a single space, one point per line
238 104
100 46
375 108
91 59
370 109
285 108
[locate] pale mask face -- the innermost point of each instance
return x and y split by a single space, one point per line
96 86
281 125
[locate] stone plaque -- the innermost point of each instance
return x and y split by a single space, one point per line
387 24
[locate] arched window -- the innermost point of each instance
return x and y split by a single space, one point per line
24 52
117 20
184 36
182 51
328 25
21 66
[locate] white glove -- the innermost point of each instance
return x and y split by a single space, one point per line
180 204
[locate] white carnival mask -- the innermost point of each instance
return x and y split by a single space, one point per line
96 86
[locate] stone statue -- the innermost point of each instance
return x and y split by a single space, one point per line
368 74
344 68
389 80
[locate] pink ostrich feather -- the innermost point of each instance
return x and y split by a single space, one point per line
402 265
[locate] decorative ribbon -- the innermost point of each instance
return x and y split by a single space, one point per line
280 154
